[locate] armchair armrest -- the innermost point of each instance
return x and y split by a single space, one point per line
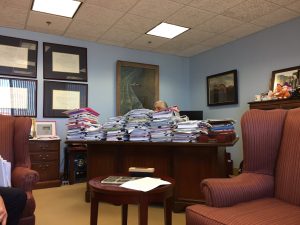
224 192
24 178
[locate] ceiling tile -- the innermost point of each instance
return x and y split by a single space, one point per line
294 6
195 36
217 41
136 23
38 22
182 1
193 50
243 30
148 42
111 42
155 9
19 4
219 24
216 6
279 16
86 30
119 36
120 5
251 10
13 17
282 2
189 17
175 45
97 15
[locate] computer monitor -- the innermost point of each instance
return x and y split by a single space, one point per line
192 115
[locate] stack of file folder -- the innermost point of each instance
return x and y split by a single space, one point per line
83 125
115 130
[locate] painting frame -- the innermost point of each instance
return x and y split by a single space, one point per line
62 96
290 75
18 57
18 97
222 88
64 62
144 89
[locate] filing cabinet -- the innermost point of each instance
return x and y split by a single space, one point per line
45 158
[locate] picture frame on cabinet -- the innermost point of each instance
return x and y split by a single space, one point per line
222 88
18 57
64 62
18 97
45 129
63 96
137 86
289 76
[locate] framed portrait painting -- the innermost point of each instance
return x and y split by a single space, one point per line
63 96
18 97
64 62
222 88
287 76
18 57
137 86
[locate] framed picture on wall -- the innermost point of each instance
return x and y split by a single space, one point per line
137 86
62 96
64 62
222 88
287 76
18 97
18 57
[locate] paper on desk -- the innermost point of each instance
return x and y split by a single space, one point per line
144 184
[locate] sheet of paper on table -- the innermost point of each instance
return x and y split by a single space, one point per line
144 184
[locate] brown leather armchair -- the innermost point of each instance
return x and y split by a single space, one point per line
267 191
14 147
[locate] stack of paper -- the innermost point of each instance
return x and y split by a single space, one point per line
144 184
115 130
187 131
5 173
83 125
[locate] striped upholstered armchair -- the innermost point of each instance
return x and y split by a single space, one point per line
268 190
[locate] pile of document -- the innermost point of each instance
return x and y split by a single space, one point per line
115 130
83 125
137 124
5 173
188 131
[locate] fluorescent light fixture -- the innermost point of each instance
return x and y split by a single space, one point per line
65 8
167 30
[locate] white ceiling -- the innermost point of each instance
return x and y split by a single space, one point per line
124 22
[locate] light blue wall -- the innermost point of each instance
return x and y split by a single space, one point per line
255 57
174 72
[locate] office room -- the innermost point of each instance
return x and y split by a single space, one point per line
54 66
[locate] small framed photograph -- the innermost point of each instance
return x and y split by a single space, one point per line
18 97
287 76
45 129
137 86
18 57
222 88
64 62
63 96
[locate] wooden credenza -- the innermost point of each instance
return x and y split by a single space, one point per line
45 158
187 163
289 103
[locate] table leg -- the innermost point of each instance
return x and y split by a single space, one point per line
94 211
168 211
143 213
124 214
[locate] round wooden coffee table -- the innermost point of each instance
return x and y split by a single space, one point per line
121 196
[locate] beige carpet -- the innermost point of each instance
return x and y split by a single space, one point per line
65 205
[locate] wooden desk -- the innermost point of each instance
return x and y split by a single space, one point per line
121 196
187 163
289 103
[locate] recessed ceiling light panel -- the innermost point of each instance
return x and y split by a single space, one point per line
65 8
167 30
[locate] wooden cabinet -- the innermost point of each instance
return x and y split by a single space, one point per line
289 103
45 158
